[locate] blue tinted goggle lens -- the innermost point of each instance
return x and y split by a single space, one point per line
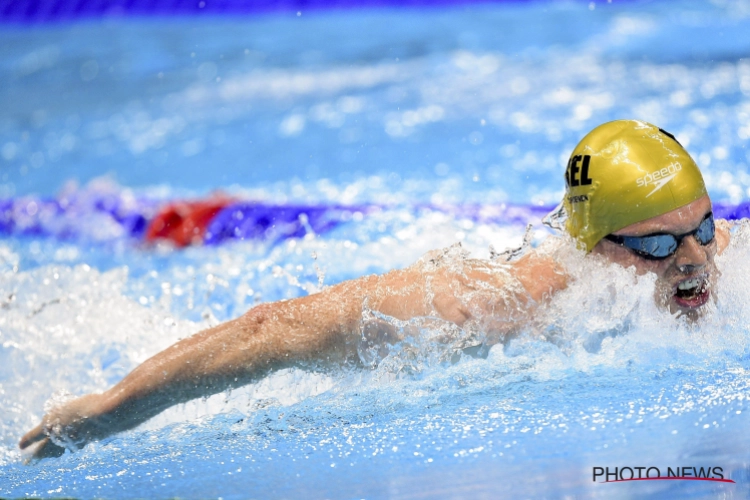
661 246
706 231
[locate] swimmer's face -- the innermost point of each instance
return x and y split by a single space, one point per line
684 279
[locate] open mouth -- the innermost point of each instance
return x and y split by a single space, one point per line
692 292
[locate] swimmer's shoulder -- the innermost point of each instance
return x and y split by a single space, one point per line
538 271
541 274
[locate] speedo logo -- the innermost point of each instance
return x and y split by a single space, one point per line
578 199
659 178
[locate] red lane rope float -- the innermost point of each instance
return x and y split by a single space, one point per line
184 223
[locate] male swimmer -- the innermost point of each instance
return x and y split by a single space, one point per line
633 196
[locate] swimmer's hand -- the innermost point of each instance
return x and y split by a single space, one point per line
72 424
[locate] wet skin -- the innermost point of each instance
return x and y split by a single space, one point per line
321 327
691 260
495 298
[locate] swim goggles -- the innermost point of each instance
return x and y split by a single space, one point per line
659 246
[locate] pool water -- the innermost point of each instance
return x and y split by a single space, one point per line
406 107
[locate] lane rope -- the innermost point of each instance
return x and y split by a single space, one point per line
220 219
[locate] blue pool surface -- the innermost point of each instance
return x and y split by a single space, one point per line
398 107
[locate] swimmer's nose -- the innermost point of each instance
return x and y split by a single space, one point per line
691 255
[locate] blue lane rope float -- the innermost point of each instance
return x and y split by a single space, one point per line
111 216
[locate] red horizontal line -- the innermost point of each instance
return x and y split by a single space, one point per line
670 478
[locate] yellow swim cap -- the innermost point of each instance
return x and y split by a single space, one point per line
625 172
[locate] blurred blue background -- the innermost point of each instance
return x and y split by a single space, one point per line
490 94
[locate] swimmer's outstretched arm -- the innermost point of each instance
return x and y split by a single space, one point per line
323 326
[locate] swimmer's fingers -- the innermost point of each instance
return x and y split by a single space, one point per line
42 449
74 423
31 437
37 445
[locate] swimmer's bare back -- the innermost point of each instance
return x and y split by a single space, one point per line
323 326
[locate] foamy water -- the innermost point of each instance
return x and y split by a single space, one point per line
613 378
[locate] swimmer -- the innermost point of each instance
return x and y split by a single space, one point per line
633 197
